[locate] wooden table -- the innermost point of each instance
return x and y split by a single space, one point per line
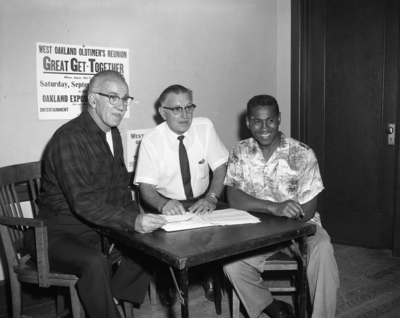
185 249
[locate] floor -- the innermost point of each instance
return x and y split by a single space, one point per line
370 287
370 283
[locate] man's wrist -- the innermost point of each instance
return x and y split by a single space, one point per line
161 205
270 207
214 196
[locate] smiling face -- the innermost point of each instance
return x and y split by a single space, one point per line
264 121
179 124
107 114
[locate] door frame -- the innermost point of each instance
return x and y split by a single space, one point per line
308 55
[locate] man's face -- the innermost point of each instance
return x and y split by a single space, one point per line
111 115
179 124
264 121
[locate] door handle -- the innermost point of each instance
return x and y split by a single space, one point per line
390 130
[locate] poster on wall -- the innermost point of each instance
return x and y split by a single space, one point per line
63 74
134 139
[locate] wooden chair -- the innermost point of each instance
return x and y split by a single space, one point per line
13 226
277 262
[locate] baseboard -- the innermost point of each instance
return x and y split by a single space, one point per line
32 295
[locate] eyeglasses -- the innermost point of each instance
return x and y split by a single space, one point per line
114 99
178 110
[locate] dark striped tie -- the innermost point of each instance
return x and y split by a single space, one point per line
185 169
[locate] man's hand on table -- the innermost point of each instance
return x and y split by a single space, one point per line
205 205
173 207
146 223
290 209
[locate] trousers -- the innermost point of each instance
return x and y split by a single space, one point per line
76 249
244 272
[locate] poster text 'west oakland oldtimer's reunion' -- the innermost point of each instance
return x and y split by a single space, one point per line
64 72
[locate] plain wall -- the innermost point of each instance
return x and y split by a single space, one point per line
226 51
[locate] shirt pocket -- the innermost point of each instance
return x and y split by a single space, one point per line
99 175
203 168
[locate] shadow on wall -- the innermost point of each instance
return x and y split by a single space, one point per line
157 117
244 132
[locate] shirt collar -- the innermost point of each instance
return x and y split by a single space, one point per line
90 125
174 136
97 120
254 144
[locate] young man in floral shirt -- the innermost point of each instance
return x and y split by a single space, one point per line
273 174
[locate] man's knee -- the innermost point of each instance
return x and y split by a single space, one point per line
231 268
320 242
96 262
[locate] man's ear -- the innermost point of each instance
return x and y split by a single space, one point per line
162 112
247 122
92 101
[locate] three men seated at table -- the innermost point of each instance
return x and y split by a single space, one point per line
85 184
173 170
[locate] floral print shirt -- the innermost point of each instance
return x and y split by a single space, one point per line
292 172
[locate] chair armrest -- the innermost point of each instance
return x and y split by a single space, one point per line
41 244
8 220
42 257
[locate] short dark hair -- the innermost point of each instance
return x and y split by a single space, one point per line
262 100
176 89
97 80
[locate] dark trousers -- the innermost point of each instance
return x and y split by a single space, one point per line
76 249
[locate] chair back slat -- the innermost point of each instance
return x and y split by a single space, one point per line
34 189
5 201
13 201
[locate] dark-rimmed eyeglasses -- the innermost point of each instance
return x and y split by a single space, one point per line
114 99
178 110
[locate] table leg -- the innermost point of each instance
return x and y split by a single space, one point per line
303 277
183 279
217 289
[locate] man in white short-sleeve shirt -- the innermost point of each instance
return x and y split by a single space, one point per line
158 172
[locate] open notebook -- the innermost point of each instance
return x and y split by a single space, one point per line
216 218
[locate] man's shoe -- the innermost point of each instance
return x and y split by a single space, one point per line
208 289
286 311
167 296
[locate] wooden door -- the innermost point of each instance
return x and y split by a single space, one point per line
345 53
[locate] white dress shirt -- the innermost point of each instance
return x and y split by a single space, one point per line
158 162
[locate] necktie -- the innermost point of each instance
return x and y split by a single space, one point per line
185 169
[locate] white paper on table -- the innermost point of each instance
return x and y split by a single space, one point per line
216 218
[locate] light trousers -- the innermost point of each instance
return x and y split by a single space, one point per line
244 272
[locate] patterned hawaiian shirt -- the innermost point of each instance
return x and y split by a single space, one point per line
291 173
